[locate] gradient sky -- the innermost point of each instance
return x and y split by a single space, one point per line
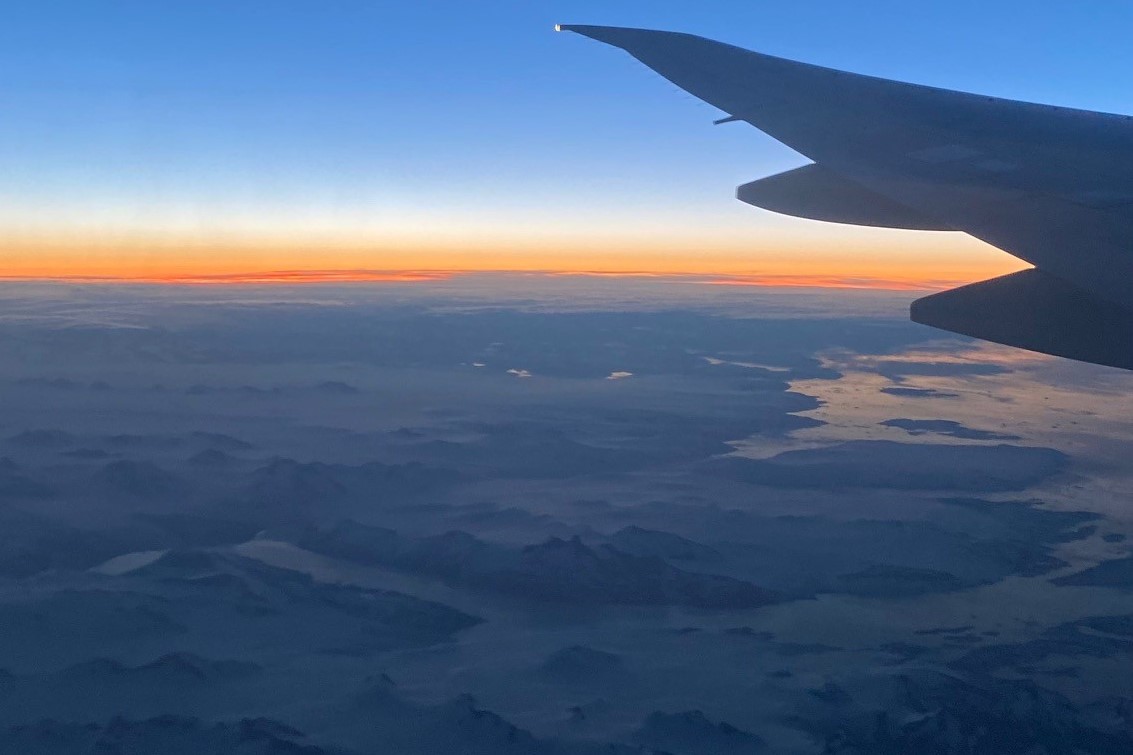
196 138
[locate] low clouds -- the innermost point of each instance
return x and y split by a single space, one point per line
945 427
900 466
324 518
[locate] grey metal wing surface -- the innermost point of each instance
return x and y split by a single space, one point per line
1052 186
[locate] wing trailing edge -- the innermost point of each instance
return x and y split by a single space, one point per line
1048 185
1036 311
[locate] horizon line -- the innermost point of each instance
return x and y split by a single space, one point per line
362 276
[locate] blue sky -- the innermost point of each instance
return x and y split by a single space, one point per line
471 119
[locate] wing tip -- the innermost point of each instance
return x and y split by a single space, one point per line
618 36
583 29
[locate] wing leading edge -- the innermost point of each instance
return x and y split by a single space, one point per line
1051 186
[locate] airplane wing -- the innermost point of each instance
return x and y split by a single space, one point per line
1052 186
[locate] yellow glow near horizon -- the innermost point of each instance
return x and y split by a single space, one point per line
873 258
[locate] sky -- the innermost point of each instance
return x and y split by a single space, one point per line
218 140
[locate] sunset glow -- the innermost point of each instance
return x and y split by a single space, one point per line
844 259
325 151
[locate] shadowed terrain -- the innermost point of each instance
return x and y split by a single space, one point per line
652 518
